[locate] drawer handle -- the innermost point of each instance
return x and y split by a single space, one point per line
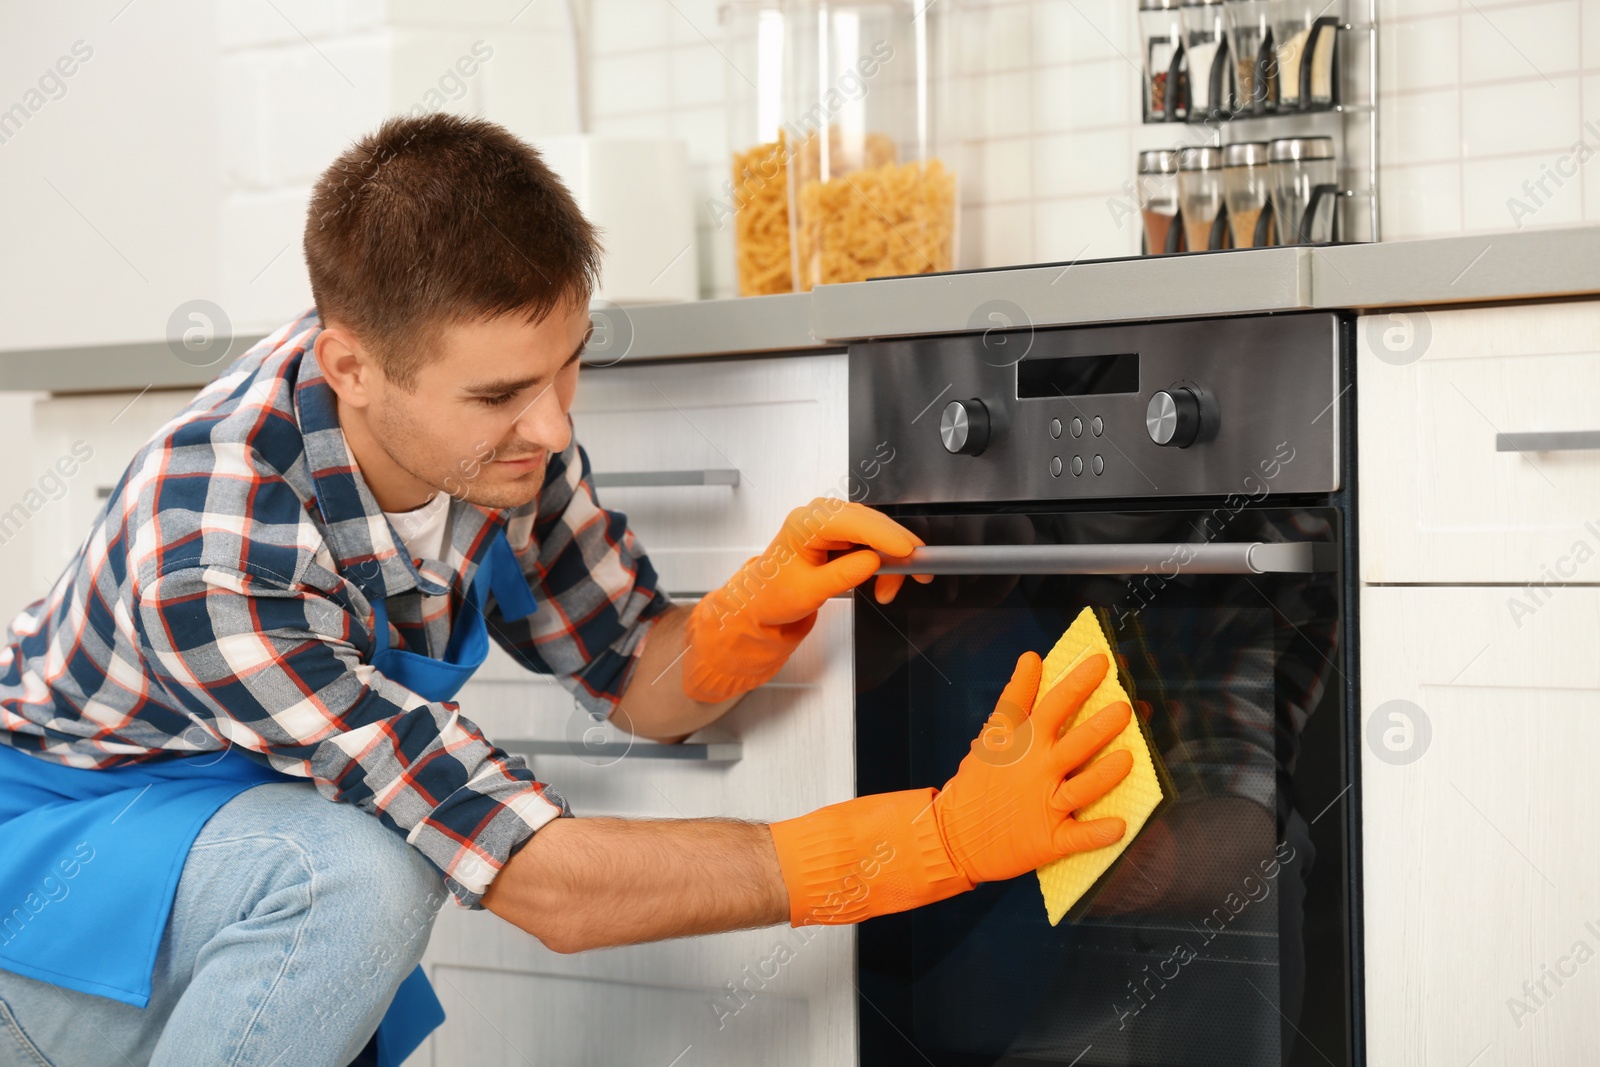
1301 557
1557 441
702 751
710 476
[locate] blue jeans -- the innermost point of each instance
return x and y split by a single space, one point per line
294 922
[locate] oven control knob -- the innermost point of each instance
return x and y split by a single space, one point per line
1173 418
964 427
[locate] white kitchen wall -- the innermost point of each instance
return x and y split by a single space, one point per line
300 79
1478 97
176 163
108 173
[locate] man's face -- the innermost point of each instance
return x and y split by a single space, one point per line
488 407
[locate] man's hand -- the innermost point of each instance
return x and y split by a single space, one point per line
740 635
1007 811
590 882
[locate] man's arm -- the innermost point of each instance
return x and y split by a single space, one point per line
588 883
593 882
654 704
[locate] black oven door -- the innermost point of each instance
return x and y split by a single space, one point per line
1223 935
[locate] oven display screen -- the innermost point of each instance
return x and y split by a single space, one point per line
1078 376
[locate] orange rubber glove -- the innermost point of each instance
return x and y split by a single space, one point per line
1006 812
740 635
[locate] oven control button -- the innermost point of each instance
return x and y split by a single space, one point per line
1055 466
964 427
1173 418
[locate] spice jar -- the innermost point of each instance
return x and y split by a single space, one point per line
869 195
1166 92
1305 189
1305 32
1158 200
756 197
1247 189
1200 197
1250 43
1205 47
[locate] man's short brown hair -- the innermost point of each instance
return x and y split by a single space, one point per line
438 220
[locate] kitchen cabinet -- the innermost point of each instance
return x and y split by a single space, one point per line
1478 827
1480 683
786 749
92 436
774 428
1436 389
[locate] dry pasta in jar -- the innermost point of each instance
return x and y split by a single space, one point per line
761 219
876 218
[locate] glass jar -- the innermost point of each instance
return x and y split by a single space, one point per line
1200 198
1158 200
1249 41
755 198
1247 188
869 195
1165 79
1305 32
1205 47
1305 189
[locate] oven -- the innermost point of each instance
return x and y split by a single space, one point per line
1187 481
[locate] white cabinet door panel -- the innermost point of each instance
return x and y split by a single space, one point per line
646 1003
1480 863
781 423
110 428
1439 503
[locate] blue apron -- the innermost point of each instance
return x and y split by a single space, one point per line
92 858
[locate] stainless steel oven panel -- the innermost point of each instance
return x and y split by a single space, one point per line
1267 389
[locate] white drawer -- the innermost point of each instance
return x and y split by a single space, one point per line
646 1003
1439 503
1478 854
781 423
107 428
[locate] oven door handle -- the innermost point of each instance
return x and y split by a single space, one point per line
1260 557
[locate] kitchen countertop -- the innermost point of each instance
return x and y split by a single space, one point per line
1454 270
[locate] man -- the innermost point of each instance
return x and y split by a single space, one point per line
287 588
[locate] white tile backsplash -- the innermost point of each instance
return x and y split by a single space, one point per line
1420 127
1395 10
1591 139
1420 54
1589 12
1504 194
990 234
1004 172
1075 164
1475 98
1519 41
1076 96
1083 227
1422 201
1520 117
697 77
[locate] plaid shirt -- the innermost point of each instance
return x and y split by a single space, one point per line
224 598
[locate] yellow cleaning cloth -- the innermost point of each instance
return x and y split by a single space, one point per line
1135 798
